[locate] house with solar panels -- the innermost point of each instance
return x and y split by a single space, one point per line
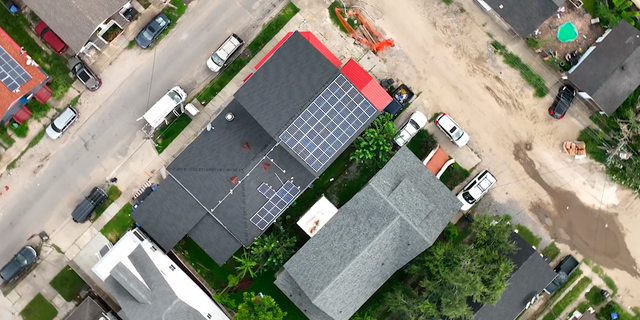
22 79
288 122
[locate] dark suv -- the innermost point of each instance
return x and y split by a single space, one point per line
19 263
562 102
88 78
84 210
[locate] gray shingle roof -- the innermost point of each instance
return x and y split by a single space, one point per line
611 72
398 215
75 21
87 310
524 16
164 304
531 274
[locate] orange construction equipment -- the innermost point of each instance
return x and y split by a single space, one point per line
370 36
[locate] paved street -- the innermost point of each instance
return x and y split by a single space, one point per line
55 175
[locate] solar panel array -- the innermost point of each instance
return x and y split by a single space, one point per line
11 73
266 190
276 204
328 123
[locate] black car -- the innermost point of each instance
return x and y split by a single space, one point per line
152 30
562 102
19 263
83 211
88 78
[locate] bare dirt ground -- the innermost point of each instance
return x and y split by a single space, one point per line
443 52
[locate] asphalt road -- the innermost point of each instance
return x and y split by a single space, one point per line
55 175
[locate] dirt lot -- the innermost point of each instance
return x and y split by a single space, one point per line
443 52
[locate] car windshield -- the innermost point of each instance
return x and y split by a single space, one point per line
56 129
148 33
175 96
21 260
456 133
216 59
468 197
414 125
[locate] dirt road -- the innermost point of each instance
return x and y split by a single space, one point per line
443 51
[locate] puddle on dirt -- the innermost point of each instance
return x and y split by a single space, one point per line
592 232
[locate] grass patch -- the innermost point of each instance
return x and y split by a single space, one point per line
39 309
595 297
5 137
594 141
131 44
112 195
53 64
36 139
590 6
76 100
336 20
171 132
454 175
551 251
269 31
583 306
447 1
528 235
68 284
21 130
605 312
607 280
422 144
38 110
568 299
572 278
532 78
119 224
57 249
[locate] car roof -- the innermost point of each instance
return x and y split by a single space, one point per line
446 122
64 117
50 37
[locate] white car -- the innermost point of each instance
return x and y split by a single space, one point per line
454 131
226 50
62 122
475 189
409 129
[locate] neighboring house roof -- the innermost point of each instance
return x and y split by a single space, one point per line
530 275
369 87
212 194
524 16
14 65
148 285
611 72
394 218
75 21
87 310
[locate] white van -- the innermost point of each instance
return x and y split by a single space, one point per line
218 58
157 114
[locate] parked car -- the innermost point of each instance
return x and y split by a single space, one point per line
62 122
51 38
19 263
409 129
152 30
475 189
88 78
562 102
452 130
84 210
226 50
564 269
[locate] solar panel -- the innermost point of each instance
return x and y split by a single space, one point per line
276 204
11 73
328 123
266 190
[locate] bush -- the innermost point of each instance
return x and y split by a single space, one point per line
568 299
454 175
21 130
422 144
551 251
528 235
336 20
595 297
39 110
451 232
594 141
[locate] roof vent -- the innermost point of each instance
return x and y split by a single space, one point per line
229 116
246 146
234 180
266 166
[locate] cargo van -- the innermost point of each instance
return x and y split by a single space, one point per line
226 50
170 102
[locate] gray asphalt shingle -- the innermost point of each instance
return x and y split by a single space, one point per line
524 16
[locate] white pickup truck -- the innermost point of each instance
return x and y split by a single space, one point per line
218 58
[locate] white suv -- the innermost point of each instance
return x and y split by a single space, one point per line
409 129
218 58
475 189
454 131
62 122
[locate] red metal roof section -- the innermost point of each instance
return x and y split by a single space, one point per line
369 87
22 115
313 40
44 94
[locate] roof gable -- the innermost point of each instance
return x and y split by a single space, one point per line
369 87
524 16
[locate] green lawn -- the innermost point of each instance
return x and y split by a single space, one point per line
551 251
39 309
454 175
113 194
422 144
68 283
269 31
4 136
119 224
528 235
171 132
53 64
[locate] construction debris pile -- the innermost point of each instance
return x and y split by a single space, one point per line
575 148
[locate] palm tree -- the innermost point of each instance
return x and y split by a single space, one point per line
246 264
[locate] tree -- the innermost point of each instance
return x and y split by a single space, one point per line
258 308
611 14
375 146
272 250
246 264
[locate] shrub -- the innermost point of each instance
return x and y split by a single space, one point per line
454 175
551 251
422 144
21 130
595 297
39 110
451 232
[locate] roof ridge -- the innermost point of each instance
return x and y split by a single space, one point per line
613 70
206 169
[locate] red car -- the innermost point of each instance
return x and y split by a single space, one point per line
52 39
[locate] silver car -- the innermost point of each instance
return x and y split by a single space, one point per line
62 122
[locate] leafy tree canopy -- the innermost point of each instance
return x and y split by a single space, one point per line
272 250
375 146
258 308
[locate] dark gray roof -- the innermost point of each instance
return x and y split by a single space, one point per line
398 215
196 198
611 72
524 16
286 84
87 310
531 274
75 21
163 302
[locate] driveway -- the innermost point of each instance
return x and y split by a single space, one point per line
54 176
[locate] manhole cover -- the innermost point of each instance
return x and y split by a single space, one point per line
528 146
